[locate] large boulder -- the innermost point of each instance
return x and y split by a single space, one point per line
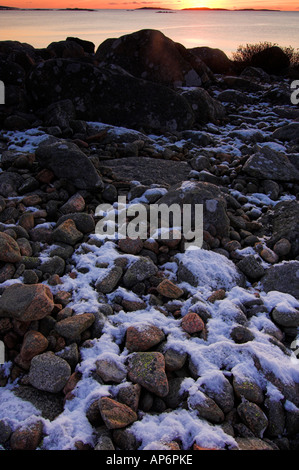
67 161
205 108
9 183
272 59
283 277
282 223
66 49
270 164
147 171
9 249
11 73
14 49
150 55
26 302
205 268
215 59
49 372
88 46
109 96
287 132
207 194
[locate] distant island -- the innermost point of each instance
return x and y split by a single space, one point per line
206 8
153 8
136 9
226 9
46 9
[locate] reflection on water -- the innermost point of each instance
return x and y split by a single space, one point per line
223 29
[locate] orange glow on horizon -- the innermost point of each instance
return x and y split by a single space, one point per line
173 4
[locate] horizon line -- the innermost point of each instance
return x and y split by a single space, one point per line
147 8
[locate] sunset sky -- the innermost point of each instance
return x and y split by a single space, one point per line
175 4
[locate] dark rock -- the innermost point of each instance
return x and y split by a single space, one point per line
67 233
5 431
286 317
252 415
110 370
72 327
125 439
129 394
212 198
282 222
255 73
10 183
272 60
27 438
248 389
139 270
60 114
242 84
222 393
282 277
150 55
251 267
87 46
234 96
174 360
276 417
148 370
109 96
67 161
270 165
288 132
116 415
252 443
26 302
48 372
9 249
205 108
206 408
34 343
292 420
109 280
143 337
66 49
240 334
70 354
147 171
215 59
84 222
175 397
54 265
50 405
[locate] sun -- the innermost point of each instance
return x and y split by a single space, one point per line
202 4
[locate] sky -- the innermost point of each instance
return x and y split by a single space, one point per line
292 5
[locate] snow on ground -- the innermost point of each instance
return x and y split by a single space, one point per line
217 353
213 358
24 141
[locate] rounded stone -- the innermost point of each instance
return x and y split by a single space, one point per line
49 372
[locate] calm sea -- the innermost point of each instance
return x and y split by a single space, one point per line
222 29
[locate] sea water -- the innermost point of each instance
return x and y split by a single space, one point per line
225 30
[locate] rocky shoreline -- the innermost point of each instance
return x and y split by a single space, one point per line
139 344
